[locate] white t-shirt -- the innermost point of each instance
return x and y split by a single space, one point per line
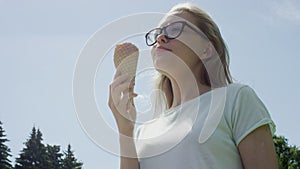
203 132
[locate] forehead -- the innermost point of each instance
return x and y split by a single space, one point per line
177 16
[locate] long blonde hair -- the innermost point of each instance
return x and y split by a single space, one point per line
211 30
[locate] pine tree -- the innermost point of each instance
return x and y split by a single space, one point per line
4 151
41 150
54 157
69 161
33 155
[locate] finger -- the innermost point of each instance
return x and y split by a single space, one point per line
130 88
122 76
132 111
124 106
117 74
128 97
126 102
125 87
122 88
119 80
116 92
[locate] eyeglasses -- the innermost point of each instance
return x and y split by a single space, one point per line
171 31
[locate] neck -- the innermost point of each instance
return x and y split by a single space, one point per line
186 89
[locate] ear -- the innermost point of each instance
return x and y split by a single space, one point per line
208 51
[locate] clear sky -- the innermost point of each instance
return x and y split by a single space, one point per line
41 40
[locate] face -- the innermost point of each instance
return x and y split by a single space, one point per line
175 53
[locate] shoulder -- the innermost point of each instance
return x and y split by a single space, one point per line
236 87
241 96
235 90
245 111
242 102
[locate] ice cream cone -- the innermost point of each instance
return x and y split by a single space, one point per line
126 58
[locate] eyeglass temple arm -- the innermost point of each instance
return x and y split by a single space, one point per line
199 32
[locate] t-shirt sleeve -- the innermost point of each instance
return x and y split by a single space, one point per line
249 113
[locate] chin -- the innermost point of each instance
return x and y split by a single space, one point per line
163 64
160 59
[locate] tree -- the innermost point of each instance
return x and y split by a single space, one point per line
288 156
69 161
54 157
5 163
33 155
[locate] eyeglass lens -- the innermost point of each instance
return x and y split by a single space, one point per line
170 31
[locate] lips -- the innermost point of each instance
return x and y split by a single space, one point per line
163 48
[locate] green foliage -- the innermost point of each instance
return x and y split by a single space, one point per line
35 155
5 163
54 157
70 162
288 156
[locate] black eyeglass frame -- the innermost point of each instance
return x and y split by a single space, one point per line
163 29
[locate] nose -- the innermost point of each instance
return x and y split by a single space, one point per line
161 39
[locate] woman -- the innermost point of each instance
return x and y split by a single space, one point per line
233 131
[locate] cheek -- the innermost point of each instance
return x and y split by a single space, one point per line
193 43
182 51
186 55
152 52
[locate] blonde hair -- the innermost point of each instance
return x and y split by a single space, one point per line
211 30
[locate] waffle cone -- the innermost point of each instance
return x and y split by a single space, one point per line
126 58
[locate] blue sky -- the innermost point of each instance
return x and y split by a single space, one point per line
40 42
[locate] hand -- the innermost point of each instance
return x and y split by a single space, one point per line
121 102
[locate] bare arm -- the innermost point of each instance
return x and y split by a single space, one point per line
127 147
257 150
123 109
